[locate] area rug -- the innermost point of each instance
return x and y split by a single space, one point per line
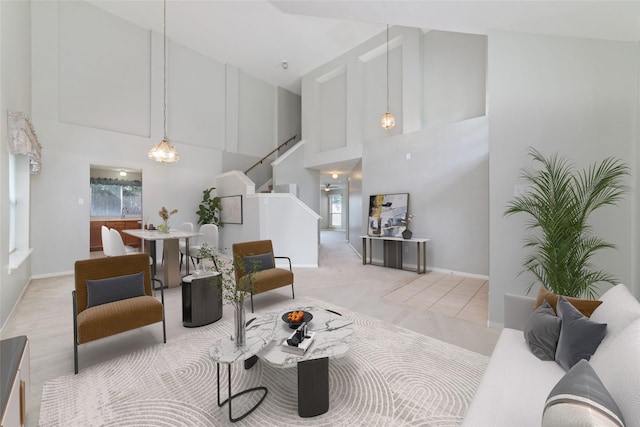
390 377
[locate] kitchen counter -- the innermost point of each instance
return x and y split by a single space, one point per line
127 223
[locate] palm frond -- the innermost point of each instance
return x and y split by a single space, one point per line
558 202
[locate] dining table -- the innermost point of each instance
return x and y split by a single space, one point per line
170 247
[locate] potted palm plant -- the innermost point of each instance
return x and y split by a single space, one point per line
558 201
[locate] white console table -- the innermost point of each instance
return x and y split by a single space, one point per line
421 245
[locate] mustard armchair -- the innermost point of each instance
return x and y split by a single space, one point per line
255 268
113 295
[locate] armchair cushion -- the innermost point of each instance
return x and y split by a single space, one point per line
254 263
103 291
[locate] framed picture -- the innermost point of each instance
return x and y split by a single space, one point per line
387 214
231 209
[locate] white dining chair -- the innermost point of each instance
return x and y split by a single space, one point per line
117 245
209 236
106 241
118 248
185 226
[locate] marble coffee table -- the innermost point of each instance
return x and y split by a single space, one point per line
333 333
259 333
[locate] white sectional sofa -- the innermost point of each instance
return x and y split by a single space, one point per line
516 384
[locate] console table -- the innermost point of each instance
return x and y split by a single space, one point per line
421 245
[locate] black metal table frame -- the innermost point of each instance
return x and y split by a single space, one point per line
233 396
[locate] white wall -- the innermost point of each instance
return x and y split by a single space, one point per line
437 86
15 94
209 108
454 84
447 181
577 97
281 217
287 169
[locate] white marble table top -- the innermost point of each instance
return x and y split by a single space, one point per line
333 333
259 333
267 332
161 235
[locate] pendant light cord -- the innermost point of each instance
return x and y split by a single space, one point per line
387 67
164 71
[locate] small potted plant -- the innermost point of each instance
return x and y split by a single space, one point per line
165 214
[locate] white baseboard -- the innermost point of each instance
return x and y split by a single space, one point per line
49 275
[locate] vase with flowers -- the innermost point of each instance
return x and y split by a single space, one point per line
406 233
230 293
165 214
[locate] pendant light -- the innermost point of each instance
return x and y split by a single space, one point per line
164 152
388 121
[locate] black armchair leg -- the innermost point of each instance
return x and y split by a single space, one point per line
75 333
252 302
293 293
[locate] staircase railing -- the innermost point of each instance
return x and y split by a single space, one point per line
259 162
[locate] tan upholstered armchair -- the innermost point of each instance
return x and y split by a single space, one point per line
255 268
124 301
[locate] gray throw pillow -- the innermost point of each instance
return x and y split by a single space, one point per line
256 263
112 289
542 332
580 399
579 335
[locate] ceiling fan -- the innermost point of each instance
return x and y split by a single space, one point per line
329 187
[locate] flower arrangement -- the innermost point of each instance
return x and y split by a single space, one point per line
230 293
165 214
408 220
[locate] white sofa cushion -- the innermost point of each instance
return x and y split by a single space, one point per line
618 309
515 385
617 367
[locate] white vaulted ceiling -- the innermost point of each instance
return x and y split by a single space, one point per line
256 36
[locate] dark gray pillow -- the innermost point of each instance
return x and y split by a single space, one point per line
258 262
580 399
579 335
542 331
112 289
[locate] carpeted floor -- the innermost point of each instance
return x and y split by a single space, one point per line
390 376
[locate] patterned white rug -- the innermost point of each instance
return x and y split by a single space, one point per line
390 376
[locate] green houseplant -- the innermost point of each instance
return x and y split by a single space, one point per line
209 208
558 201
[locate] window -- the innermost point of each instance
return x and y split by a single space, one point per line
115 197
12 203
335 209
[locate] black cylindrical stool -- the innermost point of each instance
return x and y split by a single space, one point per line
201 299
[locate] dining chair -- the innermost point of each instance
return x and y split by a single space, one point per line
209 236
118 248
106 241
185 226
117 244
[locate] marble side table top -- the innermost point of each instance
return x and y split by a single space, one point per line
259 333
333 333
